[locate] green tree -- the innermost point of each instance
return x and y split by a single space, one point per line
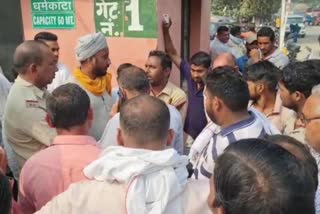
246 8
224 7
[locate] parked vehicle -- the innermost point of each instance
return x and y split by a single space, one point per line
296 19
292 47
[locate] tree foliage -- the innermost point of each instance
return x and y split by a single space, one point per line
245 8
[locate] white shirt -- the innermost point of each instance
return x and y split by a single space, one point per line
237 46
61 77
278 59
109 136
4 91
217 48
114 94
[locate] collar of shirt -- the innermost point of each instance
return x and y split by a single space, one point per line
38 92
290 124
276 108
74 140
199 91
275 53
239 125
167 90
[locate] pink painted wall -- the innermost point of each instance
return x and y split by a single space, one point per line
200 19
133 50
173 8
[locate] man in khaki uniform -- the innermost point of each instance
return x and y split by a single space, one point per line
25 127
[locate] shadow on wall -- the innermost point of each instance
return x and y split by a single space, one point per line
11 34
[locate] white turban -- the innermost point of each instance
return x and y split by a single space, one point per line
89 45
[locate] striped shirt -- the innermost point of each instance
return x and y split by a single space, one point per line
251 127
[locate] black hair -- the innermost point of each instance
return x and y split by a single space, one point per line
235 31
68 106
5 194
264 71
201 59
46 36
300 76
315 63
254 176
266 32
122 67
222 29
165 59
302 152
228 85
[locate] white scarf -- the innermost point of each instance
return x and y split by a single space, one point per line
154 178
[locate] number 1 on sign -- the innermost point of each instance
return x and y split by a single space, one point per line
133 7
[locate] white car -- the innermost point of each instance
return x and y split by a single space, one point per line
296 19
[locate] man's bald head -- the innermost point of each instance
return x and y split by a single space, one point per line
144 121
311 120
27 53
224 59
312 105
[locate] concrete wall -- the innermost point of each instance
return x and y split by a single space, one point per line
199 30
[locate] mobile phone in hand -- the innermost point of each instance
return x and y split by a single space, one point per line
122 98
166 18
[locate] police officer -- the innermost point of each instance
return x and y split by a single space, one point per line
25 127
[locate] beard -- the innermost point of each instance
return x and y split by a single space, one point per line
211 115
100 72
254 98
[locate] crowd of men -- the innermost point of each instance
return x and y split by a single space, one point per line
242 139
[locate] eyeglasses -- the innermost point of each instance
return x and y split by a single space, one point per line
305 121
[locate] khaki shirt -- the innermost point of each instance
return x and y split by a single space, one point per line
279 115
25 126
175 96
297 133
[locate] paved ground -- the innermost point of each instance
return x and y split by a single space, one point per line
310 41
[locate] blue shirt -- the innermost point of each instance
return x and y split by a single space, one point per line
195 119
242 63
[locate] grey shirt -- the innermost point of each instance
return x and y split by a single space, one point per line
101 106
278 59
